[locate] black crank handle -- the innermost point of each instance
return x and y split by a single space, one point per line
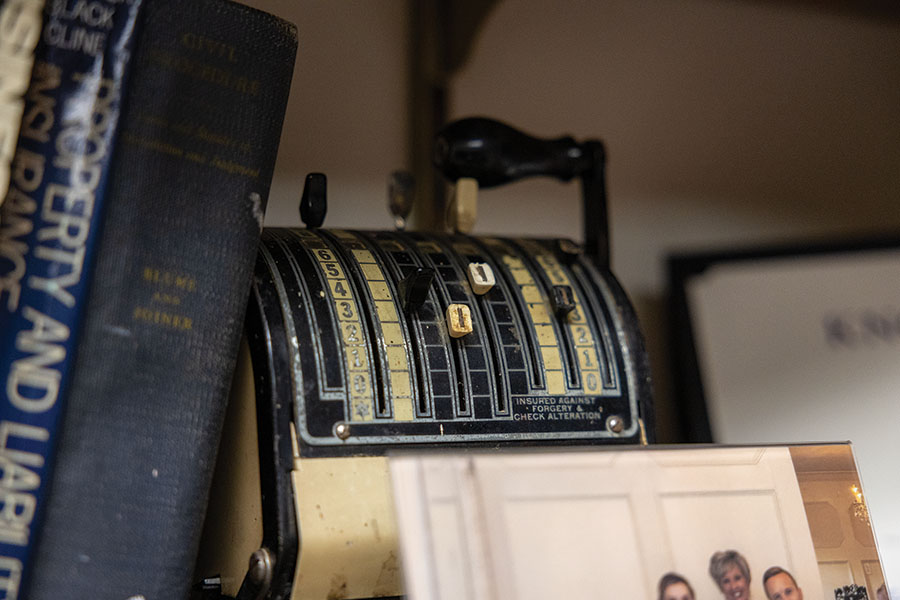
494 153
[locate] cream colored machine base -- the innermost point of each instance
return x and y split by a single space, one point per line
348 546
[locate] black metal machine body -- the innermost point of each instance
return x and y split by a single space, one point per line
361 342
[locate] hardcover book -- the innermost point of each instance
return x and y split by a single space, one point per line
50 222
202 112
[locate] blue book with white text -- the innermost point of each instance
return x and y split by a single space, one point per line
48 227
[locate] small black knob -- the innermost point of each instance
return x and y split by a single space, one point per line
563 300
314 201
414 288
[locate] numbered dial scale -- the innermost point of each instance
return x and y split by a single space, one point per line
516 340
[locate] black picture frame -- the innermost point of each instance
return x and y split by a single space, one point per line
682 267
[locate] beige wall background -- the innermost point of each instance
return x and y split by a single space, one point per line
347 112
728 123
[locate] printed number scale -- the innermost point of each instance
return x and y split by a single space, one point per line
527 366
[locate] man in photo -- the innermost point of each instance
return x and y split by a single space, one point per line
730 571
780 585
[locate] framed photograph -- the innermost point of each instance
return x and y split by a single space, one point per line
594 524
787 345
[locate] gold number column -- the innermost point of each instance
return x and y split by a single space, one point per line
392 338
541 321
579 330
360 391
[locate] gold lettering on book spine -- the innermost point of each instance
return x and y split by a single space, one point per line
169 290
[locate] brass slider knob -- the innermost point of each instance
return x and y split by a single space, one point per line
481 278
459 320
462 210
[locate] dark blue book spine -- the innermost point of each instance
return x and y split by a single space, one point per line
48 228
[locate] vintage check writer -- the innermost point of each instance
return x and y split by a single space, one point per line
364 342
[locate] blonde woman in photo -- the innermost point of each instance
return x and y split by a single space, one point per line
730 571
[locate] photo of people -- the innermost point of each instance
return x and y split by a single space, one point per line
734 523
731 573
845 552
